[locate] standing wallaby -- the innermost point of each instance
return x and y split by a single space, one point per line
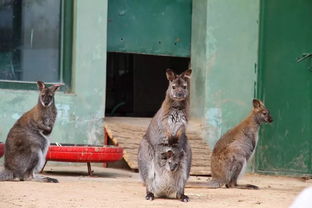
167 128
233 150
27 144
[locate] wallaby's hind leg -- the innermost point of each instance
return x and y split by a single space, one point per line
22 165
146 169
214 184
184 174
36 163
235 171
182 197
149 195
44 179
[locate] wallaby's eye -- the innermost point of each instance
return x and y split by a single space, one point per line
264 113
164 156
173 87
184 86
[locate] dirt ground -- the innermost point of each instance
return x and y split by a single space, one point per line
121 188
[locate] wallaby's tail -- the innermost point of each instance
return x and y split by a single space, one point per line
6 175
213 184
246 186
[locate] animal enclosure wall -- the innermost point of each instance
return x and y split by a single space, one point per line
224 62
150 27
81 112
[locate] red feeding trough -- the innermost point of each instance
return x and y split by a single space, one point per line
80 153
84 153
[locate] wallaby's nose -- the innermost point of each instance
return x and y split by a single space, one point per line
180 94
270 120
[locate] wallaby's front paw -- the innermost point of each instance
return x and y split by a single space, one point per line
46 133
173 140
52 180
149 196
184 198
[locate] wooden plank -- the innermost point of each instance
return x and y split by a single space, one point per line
127 132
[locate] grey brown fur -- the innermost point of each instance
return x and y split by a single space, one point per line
167 129
27 144
233 150
170 175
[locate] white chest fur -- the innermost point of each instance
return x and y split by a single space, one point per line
176 120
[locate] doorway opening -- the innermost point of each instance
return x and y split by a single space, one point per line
136 83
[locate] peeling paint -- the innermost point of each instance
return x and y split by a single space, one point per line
213 117
95 131
15 116
62 111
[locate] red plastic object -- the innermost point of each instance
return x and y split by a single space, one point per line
81 153
1 149
84 153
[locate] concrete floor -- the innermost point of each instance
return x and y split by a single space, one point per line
122 188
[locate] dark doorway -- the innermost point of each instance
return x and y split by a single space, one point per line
136 83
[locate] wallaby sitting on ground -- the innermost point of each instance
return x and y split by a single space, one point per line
233 150
167 128
27 144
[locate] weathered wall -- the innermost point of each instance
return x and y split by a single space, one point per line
224 57
150 27
80 114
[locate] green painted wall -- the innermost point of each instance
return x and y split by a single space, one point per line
80 114
160 27
224 54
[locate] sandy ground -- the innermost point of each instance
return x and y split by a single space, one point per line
122 188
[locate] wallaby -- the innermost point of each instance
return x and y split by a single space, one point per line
167 128
233 150
27 144
170 121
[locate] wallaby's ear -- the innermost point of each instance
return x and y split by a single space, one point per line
187 74
257 103
41 85
55 87
170 74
